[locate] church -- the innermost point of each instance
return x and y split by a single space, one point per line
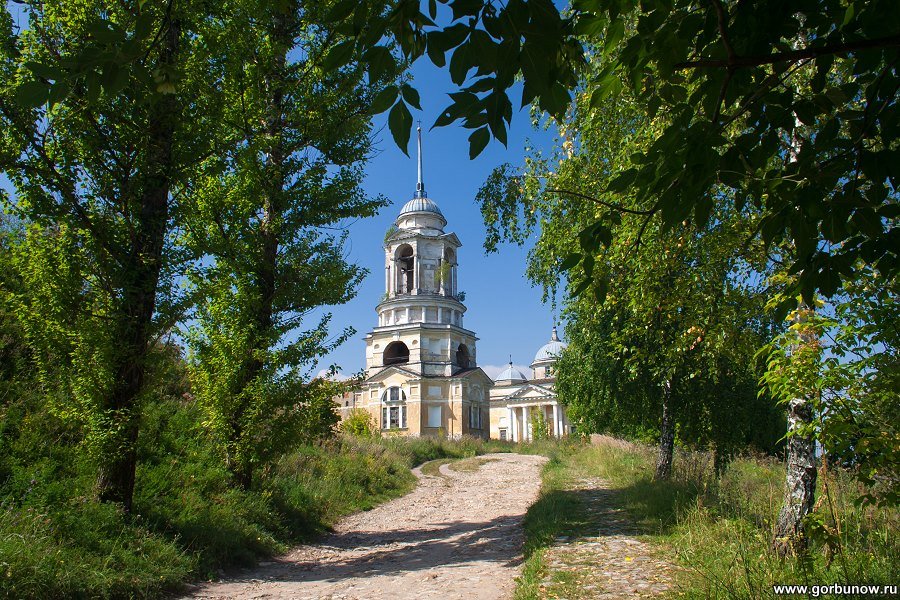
422 373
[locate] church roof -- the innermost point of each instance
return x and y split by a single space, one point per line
512 374
421 205
551 350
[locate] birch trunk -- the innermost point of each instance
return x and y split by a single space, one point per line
666 436
800 480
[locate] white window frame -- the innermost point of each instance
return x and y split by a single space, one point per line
393 408
435 410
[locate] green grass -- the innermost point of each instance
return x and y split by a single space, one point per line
189 522
719 531
433 467
470 465
557 512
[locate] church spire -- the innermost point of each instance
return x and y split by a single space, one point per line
420 183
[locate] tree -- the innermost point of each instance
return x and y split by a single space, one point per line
673 315
741 85
265 214
96 157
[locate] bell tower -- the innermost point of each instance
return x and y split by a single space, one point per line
420 316
422 376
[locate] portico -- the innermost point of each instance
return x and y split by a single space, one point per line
517 403
521 418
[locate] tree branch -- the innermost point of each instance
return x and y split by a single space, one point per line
722 19
735 62
609 205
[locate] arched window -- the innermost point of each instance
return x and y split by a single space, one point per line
393 408
396 353
405 268
446 271
462 356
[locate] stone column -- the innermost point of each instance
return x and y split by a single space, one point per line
556 424
526 424
512 424
416 266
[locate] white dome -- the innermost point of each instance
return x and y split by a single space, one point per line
421 205
512 374
551 350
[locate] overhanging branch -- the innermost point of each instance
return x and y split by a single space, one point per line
733 62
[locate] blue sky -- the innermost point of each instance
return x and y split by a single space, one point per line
504 310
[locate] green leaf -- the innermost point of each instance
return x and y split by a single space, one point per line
46 71
92 83
622 182
579 289
384 100
614 34
570 261
32 94
478 141
400 122
601 288
143 25
380 62
340 11
59 91
105 32
113 78
339 56
435 54
465 8
460 64
411 96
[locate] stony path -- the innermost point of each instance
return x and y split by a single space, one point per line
609 564
458 536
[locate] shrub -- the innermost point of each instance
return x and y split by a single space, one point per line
359 423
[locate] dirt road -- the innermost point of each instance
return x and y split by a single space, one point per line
456 536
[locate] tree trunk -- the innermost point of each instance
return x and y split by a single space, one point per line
272 182
666 436
800 483
115 481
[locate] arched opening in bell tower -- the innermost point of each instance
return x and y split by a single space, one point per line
396 353
405 269
462 356
448 271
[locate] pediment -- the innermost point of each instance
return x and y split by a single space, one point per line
452 238
477 373
531 390
386 372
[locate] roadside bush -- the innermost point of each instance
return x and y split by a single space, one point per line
359 423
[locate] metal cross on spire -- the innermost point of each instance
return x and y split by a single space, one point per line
420 183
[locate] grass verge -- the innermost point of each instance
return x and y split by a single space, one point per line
189 521
718 531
